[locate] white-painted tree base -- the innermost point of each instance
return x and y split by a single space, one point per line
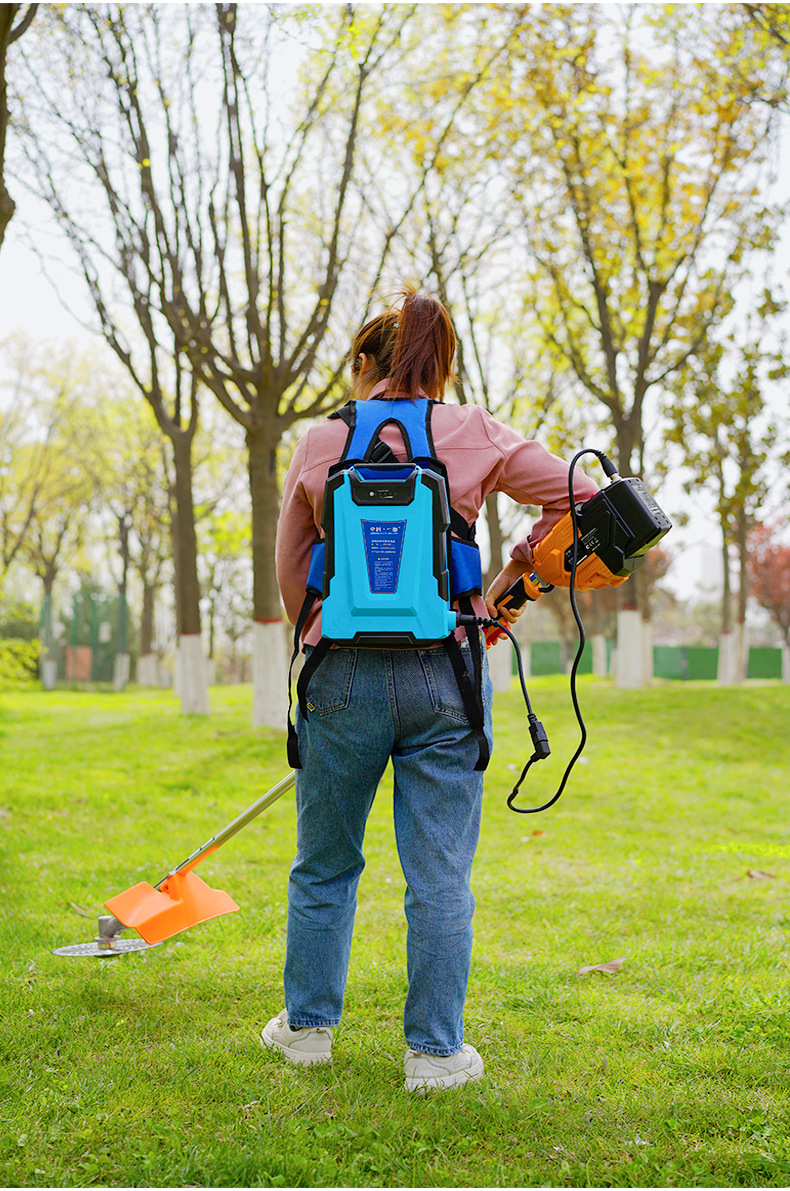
726 667
49 673
743 652
500 664
269 675
120 671
786 663
149 671
190 680
600 665
629 672
733 656
647 652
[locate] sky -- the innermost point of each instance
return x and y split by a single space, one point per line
52 306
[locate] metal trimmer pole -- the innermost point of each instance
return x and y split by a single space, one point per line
197 904
110 927
232 828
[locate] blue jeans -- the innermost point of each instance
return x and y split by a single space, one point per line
365 706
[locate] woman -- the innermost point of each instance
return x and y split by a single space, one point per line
370 705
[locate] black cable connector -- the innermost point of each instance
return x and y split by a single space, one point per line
609 469
539 739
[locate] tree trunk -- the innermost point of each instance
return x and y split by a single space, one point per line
269 653
628 440
262 447
7 14
122 659
49 665
148 662
191 668
726 598
600 667
742 660
496 539
629 667
727 668
185 540
212 618
147 619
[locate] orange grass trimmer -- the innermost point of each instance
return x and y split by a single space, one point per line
177 902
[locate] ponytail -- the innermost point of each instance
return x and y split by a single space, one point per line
414 346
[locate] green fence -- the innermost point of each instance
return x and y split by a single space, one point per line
545 658
669 661
764 663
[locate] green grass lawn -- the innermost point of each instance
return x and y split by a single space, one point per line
147 1070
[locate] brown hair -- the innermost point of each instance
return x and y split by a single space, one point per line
414 346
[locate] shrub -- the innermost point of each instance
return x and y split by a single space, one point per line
19 661
19 619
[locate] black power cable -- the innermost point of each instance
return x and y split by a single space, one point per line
537 732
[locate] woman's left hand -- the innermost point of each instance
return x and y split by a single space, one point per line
512 571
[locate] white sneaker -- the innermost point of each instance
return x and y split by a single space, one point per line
441 1071
305 1046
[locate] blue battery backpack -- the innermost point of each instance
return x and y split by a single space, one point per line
395 556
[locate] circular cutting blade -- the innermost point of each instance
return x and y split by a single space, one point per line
94 951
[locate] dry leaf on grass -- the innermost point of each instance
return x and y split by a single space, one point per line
757 875
83 913
613 965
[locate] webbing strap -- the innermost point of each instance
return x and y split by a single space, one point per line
311 595
308 670
471 698
476 647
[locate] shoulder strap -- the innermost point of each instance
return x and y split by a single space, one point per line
348 414
369 418
379 452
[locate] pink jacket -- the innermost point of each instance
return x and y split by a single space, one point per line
481 455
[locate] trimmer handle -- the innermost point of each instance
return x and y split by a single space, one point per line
526 587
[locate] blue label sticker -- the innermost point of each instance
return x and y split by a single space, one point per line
383 553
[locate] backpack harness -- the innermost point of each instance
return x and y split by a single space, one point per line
394 557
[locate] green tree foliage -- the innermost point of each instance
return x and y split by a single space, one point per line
41 484
723 429
128 461
57 385
756 51
634 165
